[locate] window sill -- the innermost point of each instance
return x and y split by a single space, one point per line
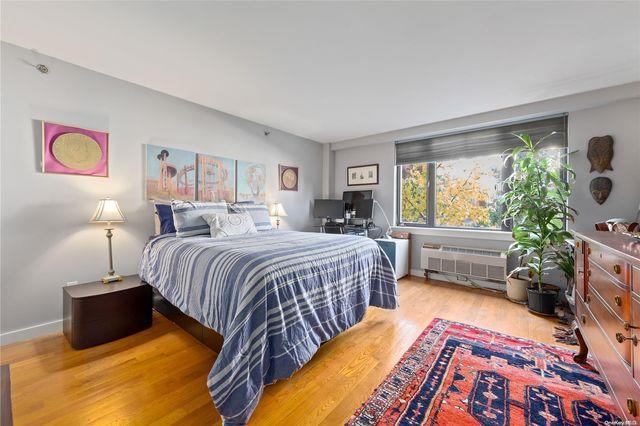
477 234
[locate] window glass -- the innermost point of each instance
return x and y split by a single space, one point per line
413 193
467 192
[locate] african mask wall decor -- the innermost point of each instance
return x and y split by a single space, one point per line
600 153
600 189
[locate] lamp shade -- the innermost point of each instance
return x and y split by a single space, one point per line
107 211
277 210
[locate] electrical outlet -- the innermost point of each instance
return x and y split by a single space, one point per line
71 283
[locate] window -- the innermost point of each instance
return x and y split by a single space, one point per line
413 199
467 192
455 181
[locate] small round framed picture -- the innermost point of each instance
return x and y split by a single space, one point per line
288 178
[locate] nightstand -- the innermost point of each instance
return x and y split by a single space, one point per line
397 250
96 313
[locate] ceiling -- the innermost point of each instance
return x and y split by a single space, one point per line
333 71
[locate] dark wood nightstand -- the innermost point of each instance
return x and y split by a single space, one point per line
96 313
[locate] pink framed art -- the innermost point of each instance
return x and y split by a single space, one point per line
74 150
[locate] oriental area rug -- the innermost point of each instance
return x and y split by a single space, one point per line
457 374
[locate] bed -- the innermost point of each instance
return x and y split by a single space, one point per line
273 297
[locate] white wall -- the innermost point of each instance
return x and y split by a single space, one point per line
616 111
46 238
622 121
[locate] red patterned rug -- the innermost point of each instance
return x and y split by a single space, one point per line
456 374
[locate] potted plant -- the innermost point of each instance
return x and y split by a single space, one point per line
536 200
564 260
517 285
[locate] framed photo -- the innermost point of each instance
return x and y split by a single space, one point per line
216 178
288 178
251 182
170 174
74 150
362 175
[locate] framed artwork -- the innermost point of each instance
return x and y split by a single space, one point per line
216 178
74 150
251 183
288 178
171 174
362 175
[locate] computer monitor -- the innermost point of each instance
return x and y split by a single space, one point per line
328 209
350 197
363 208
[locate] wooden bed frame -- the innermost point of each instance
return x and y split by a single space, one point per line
207 336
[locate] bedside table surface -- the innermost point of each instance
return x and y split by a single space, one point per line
97 288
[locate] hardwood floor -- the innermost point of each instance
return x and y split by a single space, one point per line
158 376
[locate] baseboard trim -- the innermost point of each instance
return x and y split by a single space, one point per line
31 332
417 273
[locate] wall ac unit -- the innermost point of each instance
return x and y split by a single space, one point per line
469 262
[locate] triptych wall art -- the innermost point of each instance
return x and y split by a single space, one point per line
174 174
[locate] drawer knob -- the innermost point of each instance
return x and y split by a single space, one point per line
618 300
621 338
617 268
588 298
577 244
628 326
584 319
588 250
632 407
589 273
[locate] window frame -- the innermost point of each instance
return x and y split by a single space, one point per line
507 169
431 202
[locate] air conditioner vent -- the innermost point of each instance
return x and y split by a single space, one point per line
434 264
448 265
463 267
474 263
479 270
496 272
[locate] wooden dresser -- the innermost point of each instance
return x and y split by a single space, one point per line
608 312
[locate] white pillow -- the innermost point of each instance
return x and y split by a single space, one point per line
226 225
187 216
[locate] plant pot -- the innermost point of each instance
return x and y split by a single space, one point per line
542 303
517 289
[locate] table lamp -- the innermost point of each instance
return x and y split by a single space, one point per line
108 212
277 211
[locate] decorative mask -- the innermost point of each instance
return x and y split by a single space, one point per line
600 188
600 153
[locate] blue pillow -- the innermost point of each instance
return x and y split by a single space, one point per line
165 214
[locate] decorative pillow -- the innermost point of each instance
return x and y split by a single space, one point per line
187 216
165 216
259 213
226 225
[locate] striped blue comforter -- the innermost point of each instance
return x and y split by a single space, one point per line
274 297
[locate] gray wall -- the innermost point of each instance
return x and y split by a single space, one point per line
620 118
622 121
46 238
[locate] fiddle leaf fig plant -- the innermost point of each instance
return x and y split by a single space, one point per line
536 202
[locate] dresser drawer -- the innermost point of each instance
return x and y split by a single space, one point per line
614 293
619 381
635 309
635 279
611 263
579 269
610 325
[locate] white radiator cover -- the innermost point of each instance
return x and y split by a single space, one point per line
482 264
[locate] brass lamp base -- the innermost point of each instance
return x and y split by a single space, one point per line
111 278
